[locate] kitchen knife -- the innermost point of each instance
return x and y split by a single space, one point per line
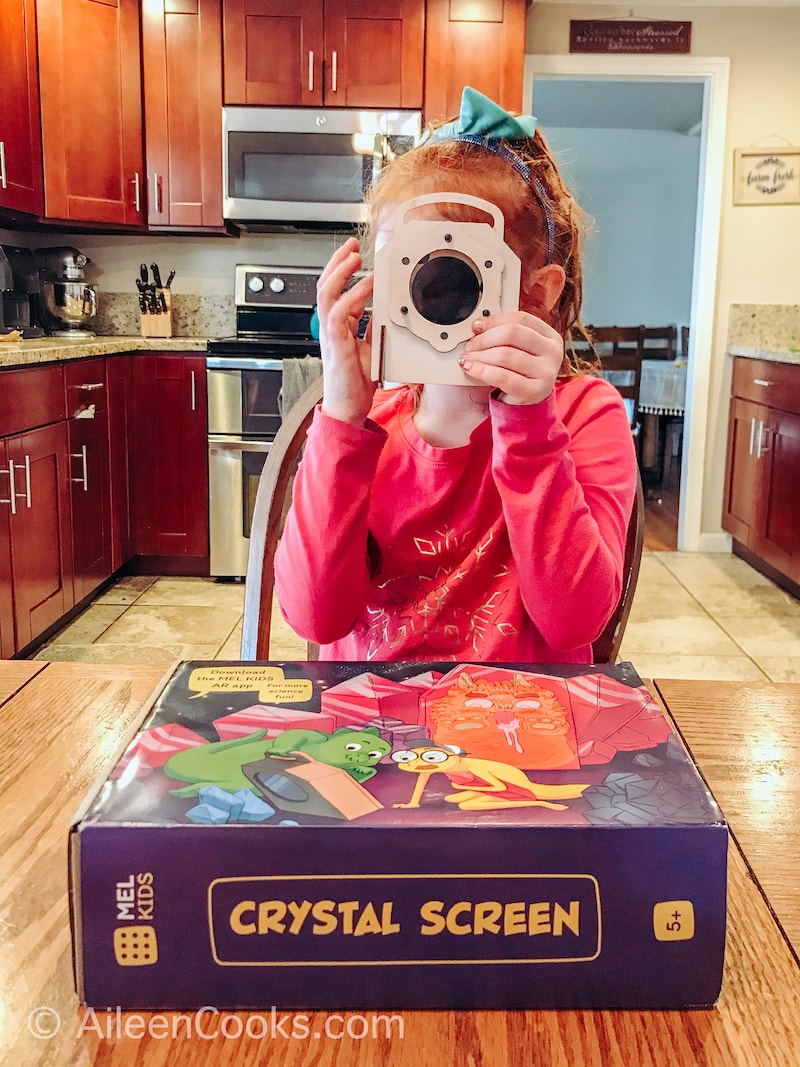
143 273
142 296
169 278
156 275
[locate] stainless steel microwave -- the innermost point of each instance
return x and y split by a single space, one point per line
304 165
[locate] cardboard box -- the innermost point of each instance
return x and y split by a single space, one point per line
331 869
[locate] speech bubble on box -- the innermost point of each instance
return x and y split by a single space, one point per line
271 684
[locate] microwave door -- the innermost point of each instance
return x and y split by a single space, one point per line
316 176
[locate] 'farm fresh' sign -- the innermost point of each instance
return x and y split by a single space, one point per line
767 176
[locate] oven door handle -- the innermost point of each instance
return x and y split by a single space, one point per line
238 444
242 363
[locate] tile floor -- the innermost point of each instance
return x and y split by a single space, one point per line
694 616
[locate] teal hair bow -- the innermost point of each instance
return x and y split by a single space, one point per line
481 117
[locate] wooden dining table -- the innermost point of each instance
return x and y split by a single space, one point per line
61 724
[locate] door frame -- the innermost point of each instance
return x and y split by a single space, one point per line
713 73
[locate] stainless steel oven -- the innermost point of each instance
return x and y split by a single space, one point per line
245 377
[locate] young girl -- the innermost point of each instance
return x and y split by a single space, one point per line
483 522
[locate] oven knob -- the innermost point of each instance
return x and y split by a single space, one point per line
277 285
255 284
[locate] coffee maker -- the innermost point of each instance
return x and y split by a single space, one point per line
65 303
19 291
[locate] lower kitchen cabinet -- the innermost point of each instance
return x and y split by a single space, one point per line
90 476
761 508
36 570
119 388
40 529
91 503
169 464
7 634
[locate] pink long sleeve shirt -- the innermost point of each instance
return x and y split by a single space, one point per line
508 548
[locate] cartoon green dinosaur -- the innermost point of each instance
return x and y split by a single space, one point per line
220 762
355 751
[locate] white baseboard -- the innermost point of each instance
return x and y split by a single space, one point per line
714 542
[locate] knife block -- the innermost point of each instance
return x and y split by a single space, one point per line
159 325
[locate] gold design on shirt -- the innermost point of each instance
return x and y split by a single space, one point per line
426 605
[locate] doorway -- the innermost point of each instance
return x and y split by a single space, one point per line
646 74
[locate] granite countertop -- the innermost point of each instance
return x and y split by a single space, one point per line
775 355
53 349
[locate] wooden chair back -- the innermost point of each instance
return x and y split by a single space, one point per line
660 342
270 506
619 350
606 648
274 488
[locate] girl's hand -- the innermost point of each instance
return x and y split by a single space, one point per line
515 352
345 356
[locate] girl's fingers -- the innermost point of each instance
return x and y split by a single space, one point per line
515 387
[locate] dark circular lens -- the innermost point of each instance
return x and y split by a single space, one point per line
445 287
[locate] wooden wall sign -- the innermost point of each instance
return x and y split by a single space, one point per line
638 36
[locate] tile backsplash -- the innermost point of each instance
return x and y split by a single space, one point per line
192 316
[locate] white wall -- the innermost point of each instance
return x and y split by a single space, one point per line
640 189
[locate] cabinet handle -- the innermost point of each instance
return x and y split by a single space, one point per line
10 472
763 432
761 381
89 386
137 203
84 479
194 392
334 71
2 165
156 193
752 436
311 72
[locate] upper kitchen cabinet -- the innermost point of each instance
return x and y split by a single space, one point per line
91 95
182 66
481 44
20 138
341 53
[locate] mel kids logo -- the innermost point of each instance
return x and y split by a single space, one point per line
135 943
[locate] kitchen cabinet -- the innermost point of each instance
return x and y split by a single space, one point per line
761 508
7 633
41 549
20 133
90 474
91 97
482 45
169 464
341 53
36 571
119 388
182 73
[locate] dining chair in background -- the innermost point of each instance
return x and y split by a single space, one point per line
274 490
619 350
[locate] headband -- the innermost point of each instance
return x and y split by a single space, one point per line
484 123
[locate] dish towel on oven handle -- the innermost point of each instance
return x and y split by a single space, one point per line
298 374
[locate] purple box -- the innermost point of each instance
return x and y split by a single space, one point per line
334 870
